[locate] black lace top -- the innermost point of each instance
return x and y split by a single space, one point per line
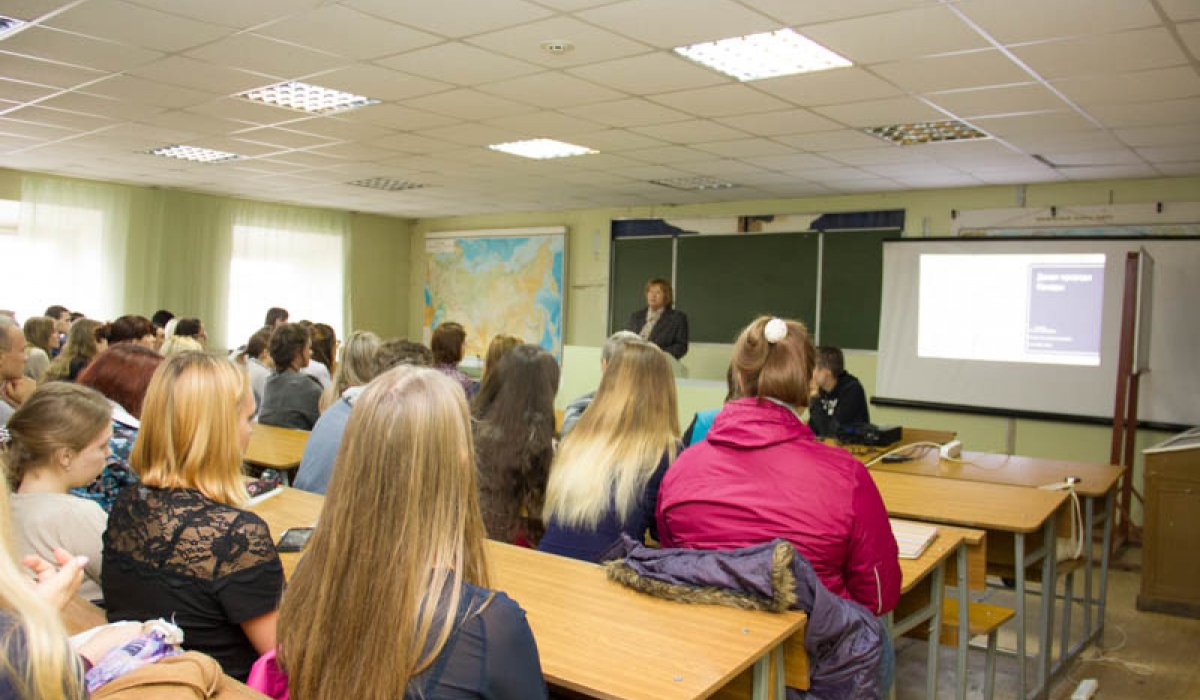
174 553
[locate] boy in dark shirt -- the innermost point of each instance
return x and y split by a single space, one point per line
838 397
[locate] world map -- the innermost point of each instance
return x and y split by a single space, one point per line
494 285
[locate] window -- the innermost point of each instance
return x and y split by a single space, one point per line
301 271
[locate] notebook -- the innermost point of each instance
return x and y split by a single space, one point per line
912 538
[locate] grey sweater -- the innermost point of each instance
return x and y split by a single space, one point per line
290 401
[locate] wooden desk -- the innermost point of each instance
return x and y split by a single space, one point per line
272 447
600 638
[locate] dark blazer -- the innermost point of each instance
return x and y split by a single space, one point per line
670 333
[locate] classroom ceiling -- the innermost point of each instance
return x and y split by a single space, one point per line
1064 89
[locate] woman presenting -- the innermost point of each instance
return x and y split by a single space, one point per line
658 322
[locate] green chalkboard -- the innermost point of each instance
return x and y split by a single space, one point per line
851 284
724 282
635 261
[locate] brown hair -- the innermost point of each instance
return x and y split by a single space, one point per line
780 370
399 351
324 340
287 340
402 512
130 329
832 359
81 344
500 345
37 331
447 343
665 286
58 415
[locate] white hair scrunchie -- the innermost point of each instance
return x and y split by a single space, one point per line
775 331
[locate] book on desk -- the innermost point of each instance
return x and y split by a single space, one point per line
912 538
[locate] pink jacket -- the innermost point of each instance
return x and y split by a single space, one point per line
760 474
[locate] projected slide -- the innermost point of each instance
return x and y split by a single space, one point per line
1011 308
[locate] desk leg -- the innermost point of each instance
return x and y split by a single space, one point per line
1019 566
1046 626
762 678
1109 503
780 674
1089 524
964 623
935 630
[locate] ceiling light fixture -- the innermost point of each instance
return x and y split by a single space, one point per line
542 149
303 97
926 132
195 153
387 184
8 25
765 55
694 183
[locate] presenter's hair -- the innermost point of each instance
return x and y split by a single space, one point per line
356 368
123 373
190 427
782 370
500 345
665 286
287 340
447 343
57 416
831 358
618 442
402 512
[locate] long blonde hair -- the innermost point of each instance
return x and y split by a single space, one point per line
189 437
356 368
81 344
616 446
52 670
400 531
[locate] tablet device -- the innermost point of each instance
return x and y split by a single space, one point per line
294 539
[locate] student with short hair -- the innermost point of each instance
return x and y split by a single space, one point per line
15 387
133 329
41 343
276 317
447 345
290 397
58 440
191 328
61 316
838 397
605 478
513 428
178 545
407 466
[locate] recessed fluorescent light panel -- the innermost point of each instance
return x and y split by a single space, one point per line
9 25
303 97
195 153
542 149
695 183
926 132
387 184
766 55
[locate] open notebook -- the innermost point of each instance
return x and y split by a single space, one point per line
912 538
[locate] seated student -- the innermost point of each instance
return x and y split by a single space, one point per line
191 328
447 345
58 440
703 420
180 343
83 345
160 319
838 396
575 409
514 442
324 350
121 374
355 369
316 467
15 387
497 348
41 343
133 329
438 631
604 481
760 475
275 318
290 398
178 545
257 361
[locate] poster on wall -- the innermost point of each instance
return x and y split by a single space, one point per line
507 281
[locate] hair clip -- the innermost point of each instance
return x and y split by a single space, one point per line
775 331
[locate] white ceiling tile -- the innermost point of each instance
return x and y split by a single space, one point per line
1158 135
359 152
898 110
246 111
720 101
266 56
589 44
1123 156
136 25
668 155
690 132
902 170
127 87
34 70
829 87
791 121
327 27
459 63
930 182
419 145
339 129
1015 21
835 174
101 106
468 104
1190 33
76 49
200 75
595 161
285 138
815 11
1109 172
953 72
30 10
33 130
966 155
722 168
1013 99
474 134
650 73
139 137
457 19
658 22
626 113
897 35
1178 169
1180 10
24 92
866 185
551 90
548 125
1164 113
199 123
1077 141
396 117
746 149
793 162
655 172
887 155
1011 176
1141 87
376 82
840 140
230 145
231 13
1044 122
1102 53
60 118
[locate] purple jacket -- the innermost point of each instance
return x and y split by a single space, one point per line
843 639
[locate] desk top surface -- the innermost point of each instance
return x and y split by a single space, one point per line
1095 479
275 448
967 503
595 636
